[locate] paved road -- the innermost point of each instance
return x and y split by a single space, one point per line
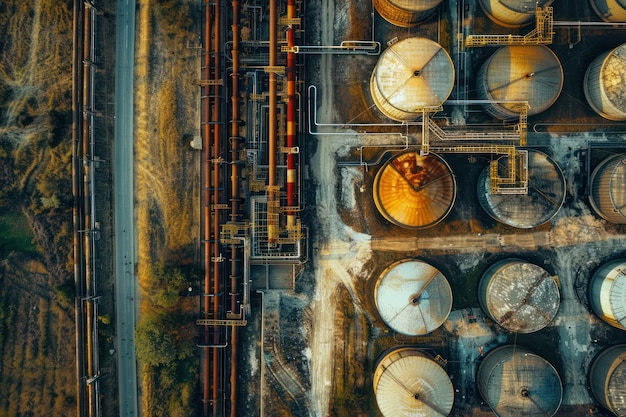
123 174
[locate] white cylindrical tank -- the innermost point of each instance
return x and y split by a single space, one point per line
517 383
519 296
512 13
520 73
608 189
610 10
604 84
607 378
415 191
411 74
607 293
545 197
409 383
405 13
413 297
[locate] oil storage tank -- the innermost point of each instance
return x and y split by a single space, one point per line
545 196
413 297
604 84
411 74
515 74
607 378
517 383
608 189
405 13
520 296
607 293
414 191
610 10
512 13
409 383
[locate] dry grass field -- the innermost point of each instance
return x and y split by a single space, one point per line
37 352
167 193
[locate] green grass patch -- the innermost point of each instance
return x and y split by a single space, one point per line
15 233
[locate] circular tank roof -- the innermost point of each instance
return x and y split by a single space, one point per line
411 74
413 297
415 191
414 5
610 10
523 73
613 75
407 383
517 383
519 296
545 197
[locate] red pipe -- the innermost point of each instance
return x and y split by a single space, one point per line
216 200
272 227
206 147
291 117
